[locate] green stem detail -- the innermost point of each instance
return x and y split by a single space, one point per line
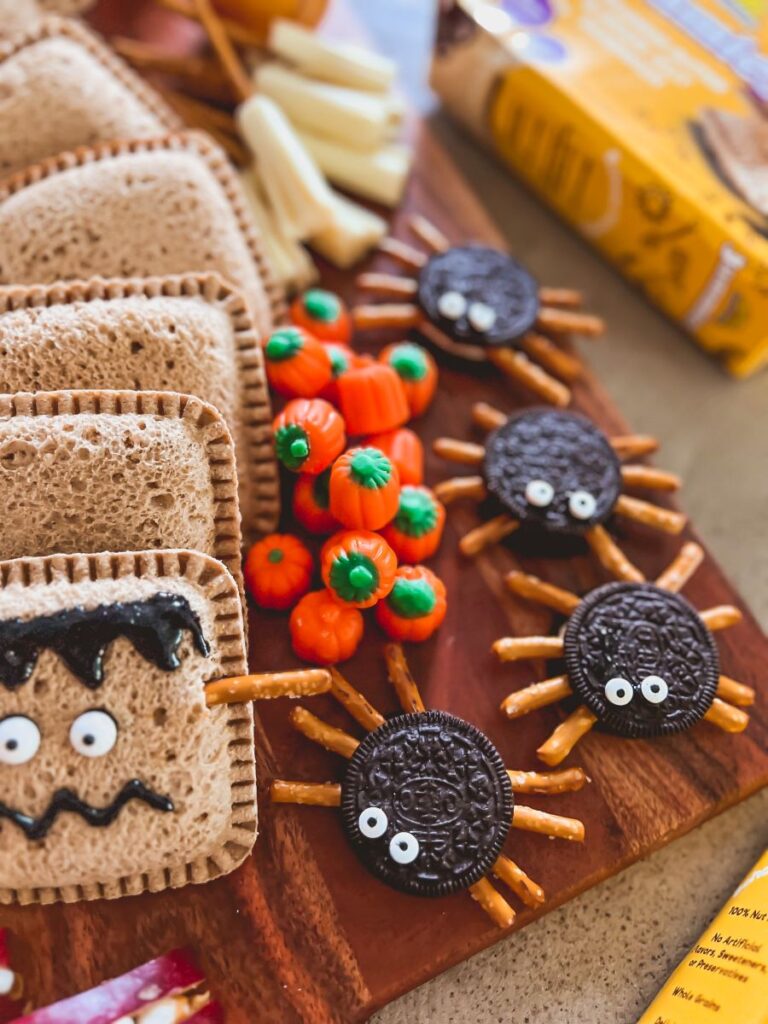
292 446
370 468
284 344
409 361
412 599
354 576
416 513
322 305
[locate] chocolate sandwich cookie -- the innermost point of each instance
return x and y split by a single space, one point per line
427 803
641 659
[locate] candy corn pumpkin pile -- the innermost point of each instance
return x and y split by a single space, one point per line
358 480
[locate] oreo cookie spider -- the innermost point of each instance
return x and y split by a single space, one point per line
640 659
426 802
478 303
558 472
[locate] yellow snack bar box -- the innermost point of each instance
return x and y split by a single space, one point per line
644 124
724 978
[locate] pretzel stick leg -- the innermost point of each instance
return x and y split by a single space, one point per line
239 689
516 879
651 478
532 820
735 693
387 285
721 617
534 589
679 571
489 533
403 316
566 321
632 446
569 780
328 736
517 648
565 737
237 33
493 903
538 695
727 717
650 515
402 253
318 794
470 487
359 708
487 417
402 680
559 363
430 235
563 298
463 452
519 368
610 555
225 51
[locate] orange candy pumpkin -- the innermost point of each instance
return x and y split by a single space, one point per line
343 359
309 435
297 365
405 449
415 607
364 489
416 369
323 630
278 571
311 503
372 399
358 567
417 529
323 314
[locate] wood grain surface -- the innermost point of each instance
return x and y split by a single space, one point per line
301 933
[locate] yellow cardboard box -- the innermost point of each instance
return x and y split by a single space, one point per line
644 124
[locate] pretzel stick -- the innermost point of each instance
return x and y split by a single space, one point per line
403 316
521 885
535 696
534 589
532 820
566 781
319 794
471 487
566 736
403 253
426 232
519 368
489 533
493 903
303 682
328 736
552 358
610 555
402 680
650 515
211 120
387 285
564 298
726 717
199 72
632 446
237 33
517 648
650 477
721 617
565 321
364 714
225 51
487 417
464 452
735 693
680 570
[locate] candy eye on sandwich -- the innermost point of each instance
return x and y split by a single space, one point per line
19 740
404 848
93 734
582 505
654 689
619 692
373 823
539 493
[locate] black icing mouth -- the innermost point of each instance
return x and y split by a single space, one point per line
65 800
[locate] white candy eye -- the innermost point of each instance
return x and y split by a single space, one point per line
654 689
93 734
7 981
618 691
539 493
404 848
582 505
452 305
373 823
481 316
19 739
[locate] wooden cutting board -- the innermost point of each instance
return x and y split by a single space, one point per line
301 933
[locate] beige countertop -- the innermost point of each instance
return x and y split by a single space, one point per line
602 957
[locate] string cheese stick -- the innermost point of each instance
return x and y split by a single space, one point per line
339 63
379 174
352 232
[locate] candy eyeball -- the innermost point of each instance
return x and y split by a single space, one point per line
404 848
373 823
619 691
539 493
19 740
582 505
93 734
452 305
481 316
654 689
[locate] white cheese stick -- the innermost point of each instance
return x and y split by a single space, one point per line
297 191
338 63
358 119
353 233
379 175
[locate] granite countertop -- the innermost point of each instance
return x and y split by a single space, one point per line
601 958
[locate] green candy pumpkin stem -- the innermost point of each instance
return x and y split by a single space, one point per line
322 305
371 468
292 446
409 362
410 599
284 344
416 513
354 577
